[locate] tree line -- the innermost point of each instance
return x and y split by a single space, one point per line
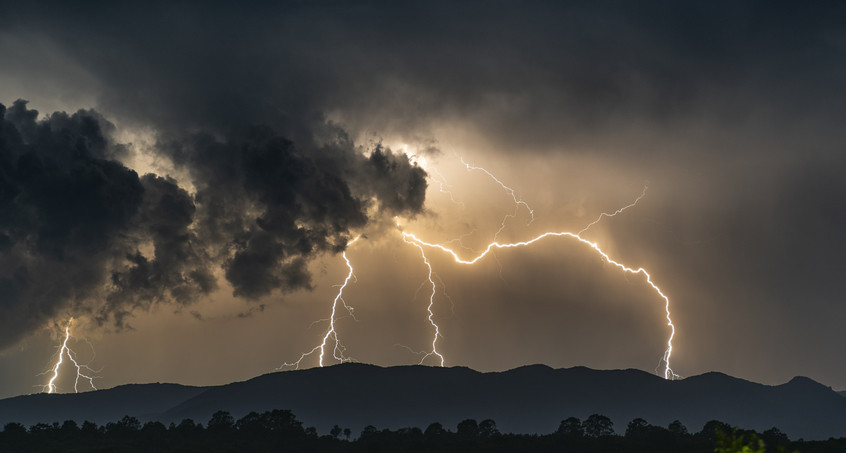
281 430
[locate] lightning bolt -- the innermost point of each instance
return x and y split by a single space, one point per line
605 214
460 240
331 335
433 174
518 202
443 185
338 349
431 317
65 350
668 372
665 358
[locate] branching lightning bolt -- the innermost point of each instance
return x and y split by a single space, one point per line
668 372
444 187
437 329
517 200
64 350
460 240
411 239
338 350
605 214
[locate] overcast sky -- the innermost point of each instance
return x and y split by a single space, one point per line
181 180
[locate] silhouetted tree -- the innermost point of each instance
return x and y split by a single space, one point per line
487 429
676 427
221 422
347 433
69 427
571 427
637 428
468 429
187 428
710 430
89 428
154 428
14 431
434 431
368 431
250 424
283 422
280 430
128 424
598 425
413 434
774 437
40 428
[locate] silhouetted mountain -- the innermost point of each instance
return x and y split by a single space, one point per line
145 401
531 399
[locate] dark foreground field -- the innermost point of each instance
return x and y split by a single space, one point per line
279 430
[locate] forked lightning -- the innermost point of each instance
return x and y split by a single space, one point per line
65 350
437 329
668 372
419 243
338 350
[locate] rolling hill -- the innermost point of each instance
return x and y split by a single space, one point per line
530 399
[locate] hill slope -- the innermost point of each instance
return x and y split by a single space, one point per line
532 399
145 401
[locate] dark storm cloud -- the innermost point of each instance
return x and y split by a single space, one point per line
530 74
69 214
270 204
180 269
78 227
276 184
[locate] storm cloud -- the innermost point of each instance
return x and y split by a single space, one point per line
268 204
66 212
81 233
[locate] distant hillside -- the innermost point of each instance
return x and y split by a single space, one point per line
145 401
532 399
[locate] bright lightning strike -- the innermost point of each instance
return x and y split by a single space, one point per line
668 372
441 181
605 214
65 350
338 349
431 317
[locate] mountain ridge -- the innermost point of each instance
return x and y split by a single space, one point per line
527 399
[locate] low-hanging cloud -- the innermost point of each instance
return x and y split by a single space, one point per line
266 204
66 213
82 233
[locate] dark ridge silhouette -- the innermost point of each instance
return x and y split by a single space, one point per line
530 399
145 401
281 430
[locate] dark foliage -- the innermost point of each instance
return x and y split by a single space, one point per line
279 430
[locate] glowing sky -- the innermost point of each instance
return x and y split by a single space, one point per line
192 218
